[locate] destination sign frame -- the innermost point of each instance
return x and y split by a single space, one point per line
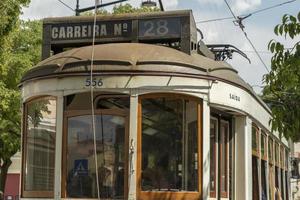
161 27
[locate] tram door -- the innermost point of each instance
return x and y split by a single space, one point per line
219 160
111 144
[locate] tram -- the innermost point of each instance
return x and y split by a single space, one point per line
152 115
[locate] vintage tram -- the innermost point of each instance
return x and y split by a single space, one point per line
160 119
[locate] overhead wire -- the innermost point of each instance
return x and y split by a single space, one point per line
92 100
66 5
238 20
271 7
213 20
249 14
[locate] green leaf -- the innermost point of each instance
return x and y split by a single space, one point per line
293 19
276 29
285 18
280 29
272 47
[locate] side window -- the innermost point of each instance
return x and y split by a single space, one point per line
39 147
255 161
223 140
213 156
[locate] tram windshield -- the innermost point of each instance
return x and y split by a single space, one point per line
111 124
81 167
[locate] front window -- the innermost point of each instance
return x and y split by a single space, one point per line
39 147
82 168
170 144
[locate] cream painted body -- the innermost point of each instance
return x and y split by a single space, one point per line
214 95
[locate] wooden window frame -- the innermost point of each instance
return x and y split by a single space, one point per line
271 158
76 113
213 194
276 158
282 157
34 194
271 186
264 136
286 161
162 195
256 152
224 194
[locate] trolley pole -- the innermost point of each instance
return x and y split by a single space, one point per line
77 8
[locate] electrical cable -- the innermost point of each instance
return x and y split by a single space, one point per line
92 100
239 22
249 14
271 7
66 5
214 20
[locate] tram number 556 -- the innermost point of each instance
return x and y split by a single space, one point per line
96 82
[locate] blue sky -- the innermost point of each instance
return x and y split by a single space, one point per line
259 27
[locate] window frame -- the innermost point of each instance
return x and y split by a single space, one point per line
224 194
213 194
163 195
264 136
75 113
282 157
271 158
255 152
277 153
25 193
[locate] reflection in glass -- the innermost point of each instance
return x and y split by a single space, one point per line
286 186
254 139
102 101
271 182
263 145
169 144
110 140
281 184
255 179
223 155
264 192
40 144
213 134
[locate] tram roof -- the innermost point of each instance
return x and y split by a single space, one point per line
135 58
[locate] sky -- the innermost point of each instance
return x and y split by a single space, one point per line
259 27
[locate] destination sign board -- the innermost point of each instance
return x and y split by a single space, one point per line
103 29
149 29
63 33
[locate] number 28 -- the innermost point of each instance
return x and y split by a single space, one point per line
158 28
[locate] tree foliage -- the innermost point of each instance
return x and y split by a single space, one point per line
283 82
9 15
123 9
21 51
